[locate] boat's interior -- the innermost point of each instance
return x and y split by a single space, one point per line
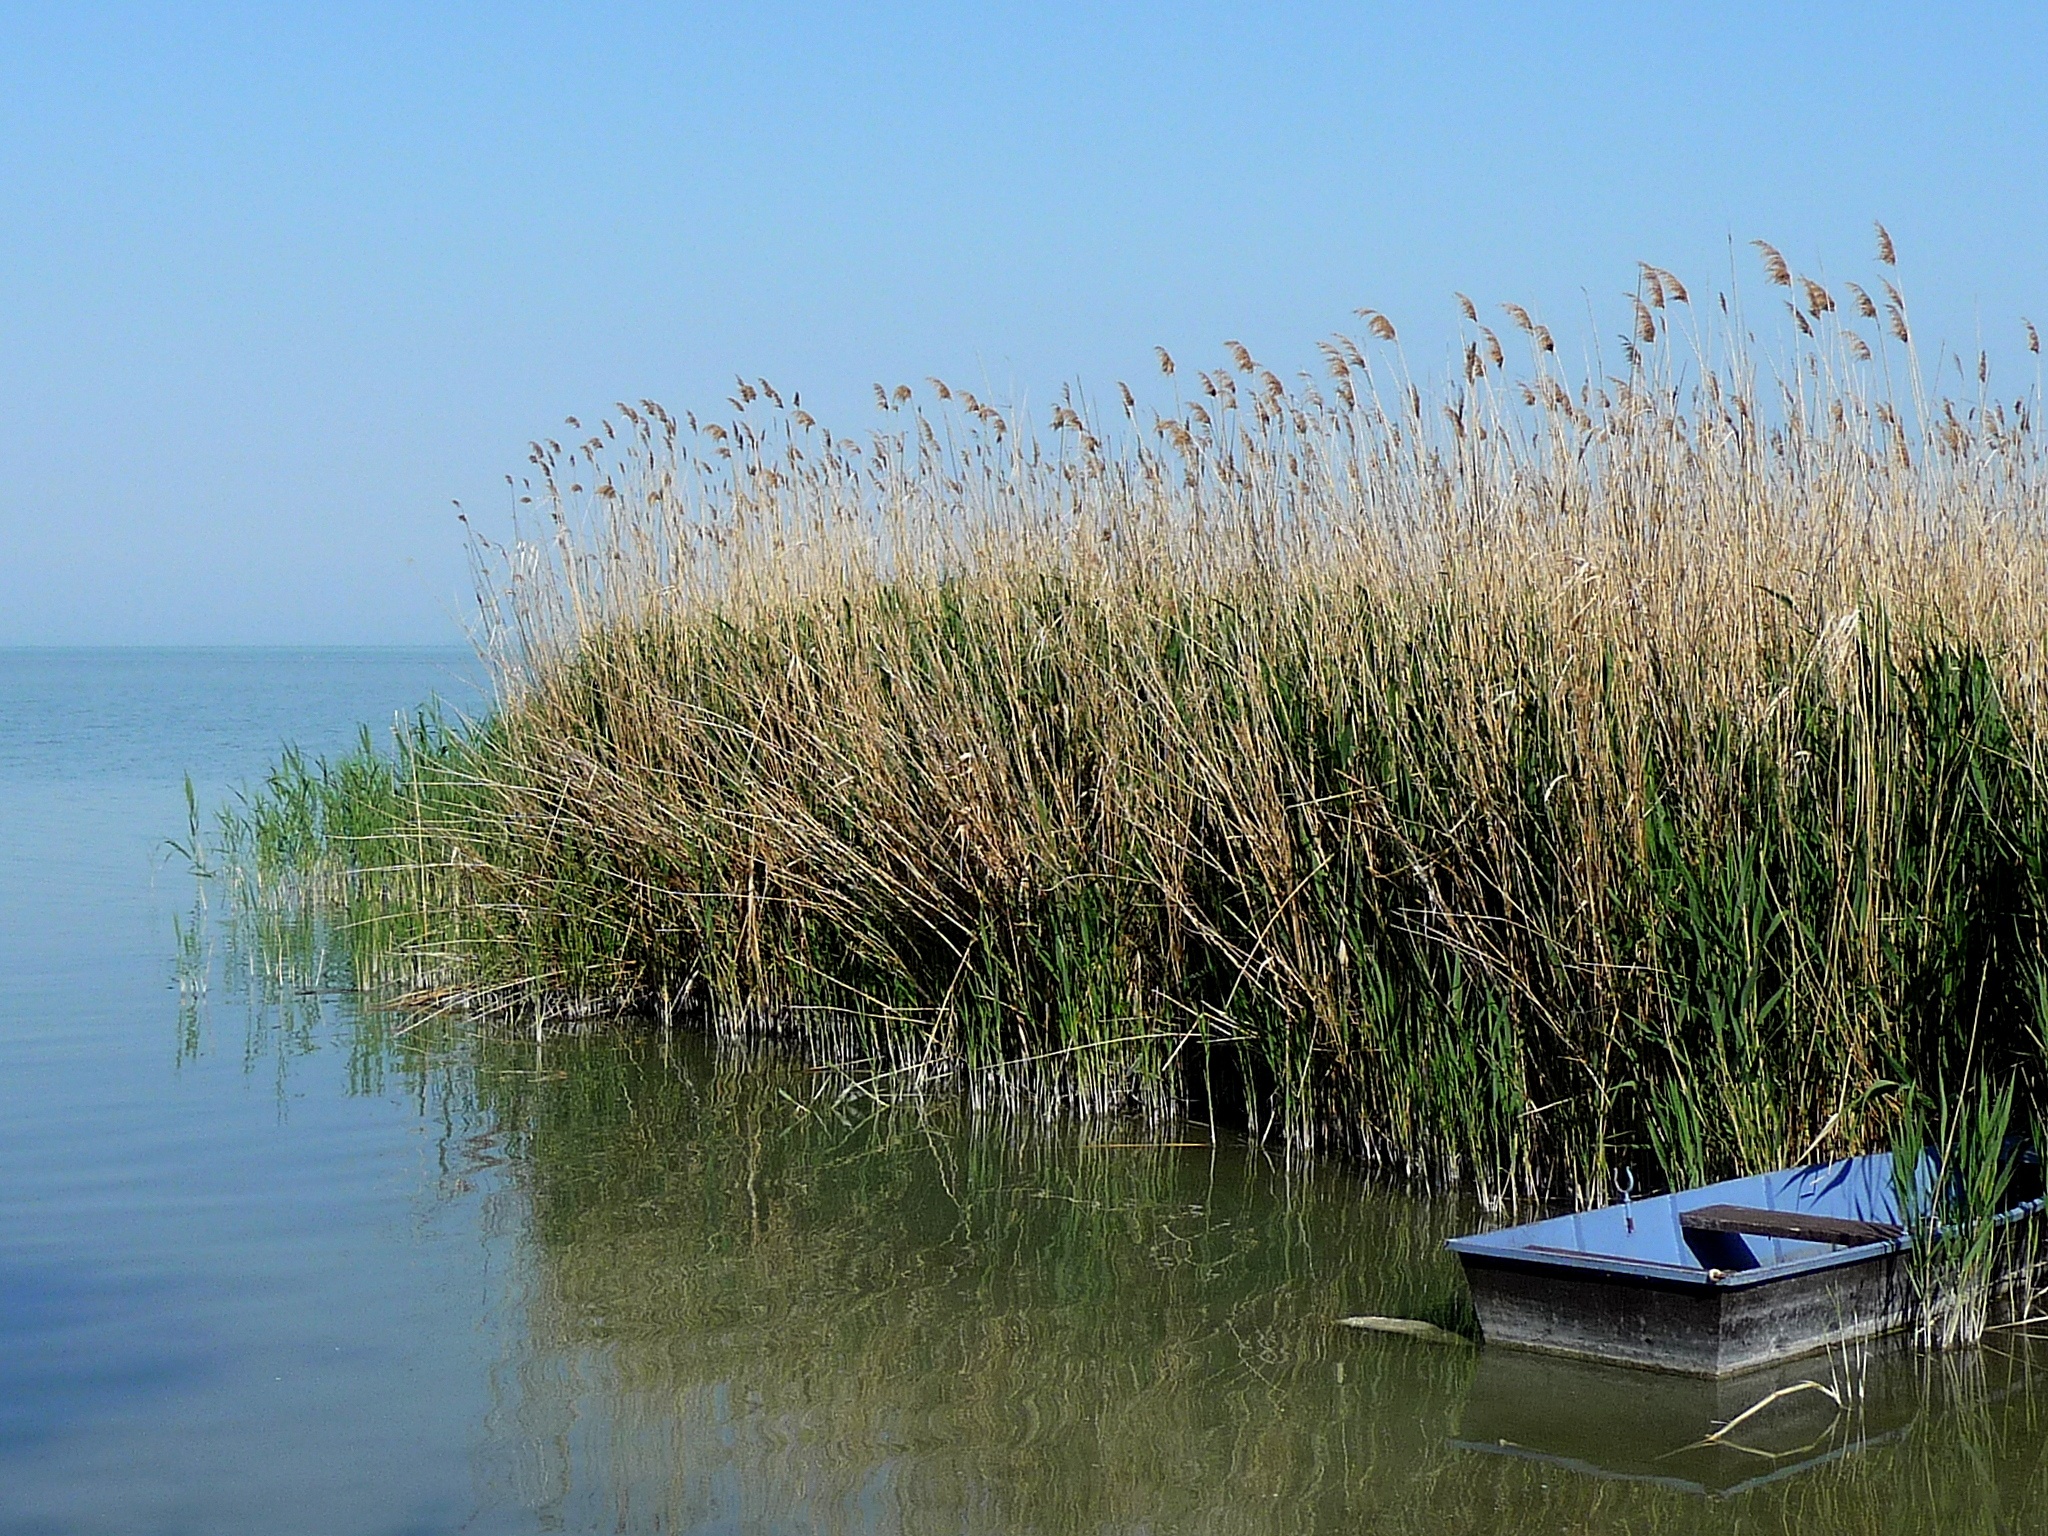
1739 1224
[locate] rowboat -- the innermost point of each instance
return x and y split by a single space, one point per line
1709 1281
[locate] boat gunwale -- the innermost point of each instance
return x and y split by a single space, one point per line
1487 1246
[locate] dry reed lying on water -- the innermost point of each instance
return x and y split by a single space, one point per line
1502 783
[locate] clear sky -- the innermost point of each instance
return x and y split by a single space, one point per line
279 284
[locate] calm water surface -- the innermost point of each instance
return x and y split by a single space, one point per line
270 1262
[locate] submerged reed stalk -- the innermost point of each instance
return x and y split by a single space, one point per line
1502 782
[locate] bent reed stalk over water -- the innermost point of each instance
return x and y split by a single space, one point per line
1508 783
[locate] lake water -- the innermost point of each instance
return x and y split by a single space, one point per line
273 1262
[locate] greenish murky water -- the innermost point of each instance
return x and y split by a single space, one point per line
272 1262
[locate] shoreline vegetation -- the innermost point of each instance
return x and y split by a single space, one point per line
1506 783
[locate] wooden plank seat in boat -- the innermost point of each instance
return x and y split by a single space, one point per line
1800 1226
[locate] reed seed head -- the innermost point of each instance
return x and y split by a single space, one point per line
1774 264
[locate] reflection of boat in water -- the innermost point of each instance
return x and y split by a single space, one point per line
1685 1432
1707 1281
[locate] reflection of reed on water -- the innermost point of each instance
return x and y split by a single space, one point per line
902 1322
737 1309
745 1311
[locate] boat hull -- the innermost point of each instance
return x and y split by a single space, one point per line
1694 1328
1714 1280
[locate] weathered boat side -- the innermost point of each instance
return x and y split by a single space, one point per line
1596 1316
1703 1282
1797 1313
1697 1327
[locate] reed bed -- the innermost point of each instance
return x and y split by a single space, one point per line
1506 781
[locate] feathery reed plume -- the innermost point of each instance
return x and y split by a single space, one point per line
1377 323
1466 308
1774 264
1886 253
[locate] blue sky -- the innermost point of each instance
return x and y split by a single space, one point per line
279 284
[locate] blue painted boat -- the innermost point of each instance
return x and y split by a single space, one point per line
1707 1281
